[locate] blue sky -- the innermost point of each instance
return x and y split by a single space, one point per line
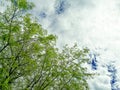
90 23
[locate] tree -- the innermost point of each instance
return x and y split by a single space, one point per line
29 59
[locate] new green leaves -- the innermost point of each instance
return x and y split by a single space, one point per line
29 58
22 4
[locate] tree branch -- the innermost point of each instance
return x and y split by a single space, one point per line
33 82
4 47
49 82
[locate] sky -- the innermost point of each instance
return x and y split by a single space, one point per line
89 23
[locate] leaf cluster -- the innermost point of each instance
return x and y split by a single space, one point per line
29 59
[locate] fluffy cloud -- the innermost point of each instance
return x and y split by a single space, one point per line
90 23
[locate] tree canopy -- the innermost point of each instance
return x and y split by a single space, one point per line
29 59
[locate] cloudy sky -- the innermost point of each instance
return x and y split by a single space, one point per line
90 23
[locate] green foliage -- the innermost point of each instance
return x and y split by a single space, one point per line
29 58
22 4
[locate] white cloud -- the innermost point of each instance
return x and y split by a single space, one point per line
96 84
91 23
